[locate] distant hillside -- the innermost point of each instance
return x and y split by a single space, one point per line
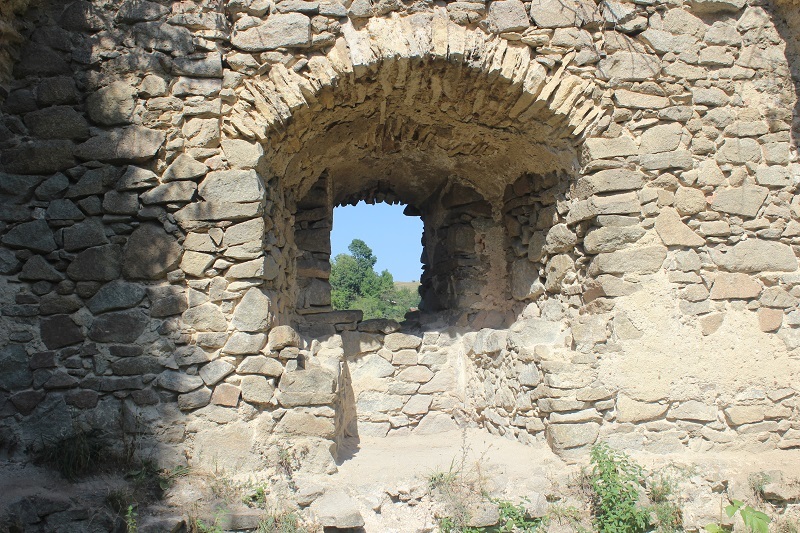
410 285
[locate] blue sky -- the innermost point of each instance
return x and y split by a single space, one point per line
393 237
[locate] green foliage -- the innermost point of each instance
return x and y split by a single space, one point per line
758 482
754 520
282 523
514 518
614 481
130 520
199 526
661 487
356 285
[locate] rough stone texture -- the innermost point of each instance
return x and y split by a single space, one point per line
280 30
597 182
150 252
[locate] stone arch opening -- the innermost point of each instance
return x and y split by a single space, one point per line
452 133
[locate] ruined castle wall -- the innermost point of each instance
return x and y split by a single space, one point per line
611 225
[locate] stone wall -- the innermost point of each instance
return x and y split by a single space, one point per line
611 228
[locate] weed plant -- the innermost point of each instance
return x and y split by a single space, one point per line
615 480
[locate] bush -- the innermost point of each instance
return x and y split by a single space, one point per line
615 480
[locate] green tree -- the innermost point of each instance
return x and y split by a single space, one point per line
356 285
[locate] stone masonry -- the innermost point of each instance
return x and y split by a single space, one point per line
607 189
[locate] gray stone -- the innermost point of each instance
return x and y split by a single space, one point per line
101 263
150 253
674 232
136 178
529 333
196 263
9 264
164 38
629 66
603 148
565 436
116 295
40 61
112 105
136 366
631 410
36 269
278 31
215 371
35 235
59 331
254 311
82 16
739 151
717 6
664 138
167 301
168 193
191 355
85 234
774 176
560 239
734 286
665 42
205 317
337 510
244 343
120 203
281 337
312 386
525 283
681 159
56 304
195 399
53 187
14 372
264 267
63 210
689 201
564 13
256 390
56 91
556 270
57 122
642 260
133 11
611 239
232 186
244 232
611 180
756 255
401 341
745 201
184 167
636 100
179 382
198 66
132 144
259 364
300 423
202 211
241 153
435 422
119 326
507 16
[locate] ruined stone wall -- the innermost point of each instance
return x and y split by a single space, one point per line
611 225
